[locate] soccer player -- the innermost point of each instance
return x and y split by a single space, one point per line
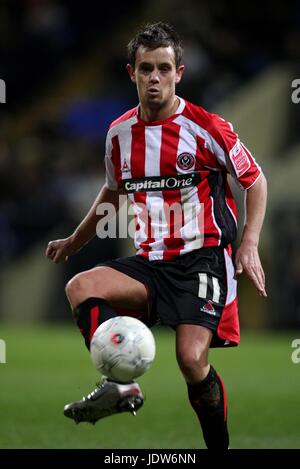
172 159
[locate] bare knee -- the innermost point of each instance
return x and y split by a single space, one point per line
108 284
193 364
83 286
192 346
74 286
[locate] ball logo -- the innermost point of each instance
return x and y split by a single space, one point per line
185 161
117 339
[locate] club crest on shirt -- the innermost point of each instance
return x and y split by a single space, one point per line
185 161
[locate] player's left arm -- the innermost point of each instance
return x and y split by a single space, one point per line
240 163
247 256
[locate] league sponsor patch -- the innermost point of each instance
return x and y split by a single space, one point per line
239 159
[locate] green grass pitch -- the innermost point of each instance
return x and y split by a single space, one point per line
48 366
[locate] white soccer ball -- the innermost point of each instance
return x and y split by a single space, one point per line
122 348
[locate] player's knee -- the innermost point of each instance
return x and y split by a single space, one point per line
191 361
79 287
84 286
74 286
187 362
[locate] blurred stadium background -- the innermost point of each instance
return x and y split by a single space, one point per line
64 68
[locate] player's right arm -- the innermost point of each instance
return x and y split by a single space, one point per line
60 249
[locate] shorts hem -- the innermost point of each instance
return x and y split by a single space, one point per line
196 322
136 276
216 340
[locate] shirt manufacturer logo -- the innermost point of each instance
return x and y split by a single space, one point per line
209 308
125 167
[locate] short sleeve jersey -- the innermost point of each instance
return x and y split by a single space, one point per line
175 172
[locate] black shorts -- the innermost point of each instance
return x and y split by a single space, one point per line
191 289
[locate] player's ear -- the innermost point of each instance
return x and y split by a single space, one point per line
131 73
179 73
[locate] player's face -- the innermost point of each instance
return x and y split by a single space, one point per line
156 76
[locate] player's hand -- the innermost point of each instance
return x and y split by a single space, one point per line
247 260
60 249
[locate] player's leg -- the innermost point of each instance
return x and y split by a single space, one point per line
205 388
97 295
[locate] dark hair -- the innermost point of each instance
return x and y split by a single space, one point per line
154 35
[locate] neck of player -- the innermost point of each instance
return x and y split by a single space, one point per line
151 112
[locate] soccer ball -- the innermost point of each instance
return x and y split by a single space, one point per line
122 348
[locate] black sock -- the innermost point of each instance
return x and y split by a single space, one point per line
208 399
90 314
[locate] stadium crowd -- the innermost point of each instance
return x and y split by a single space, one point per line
227 44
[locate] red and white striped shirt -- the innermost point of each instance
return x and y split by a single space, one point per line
175 174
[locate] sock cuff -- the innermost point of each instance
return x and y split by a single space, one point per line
87 304
206 384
